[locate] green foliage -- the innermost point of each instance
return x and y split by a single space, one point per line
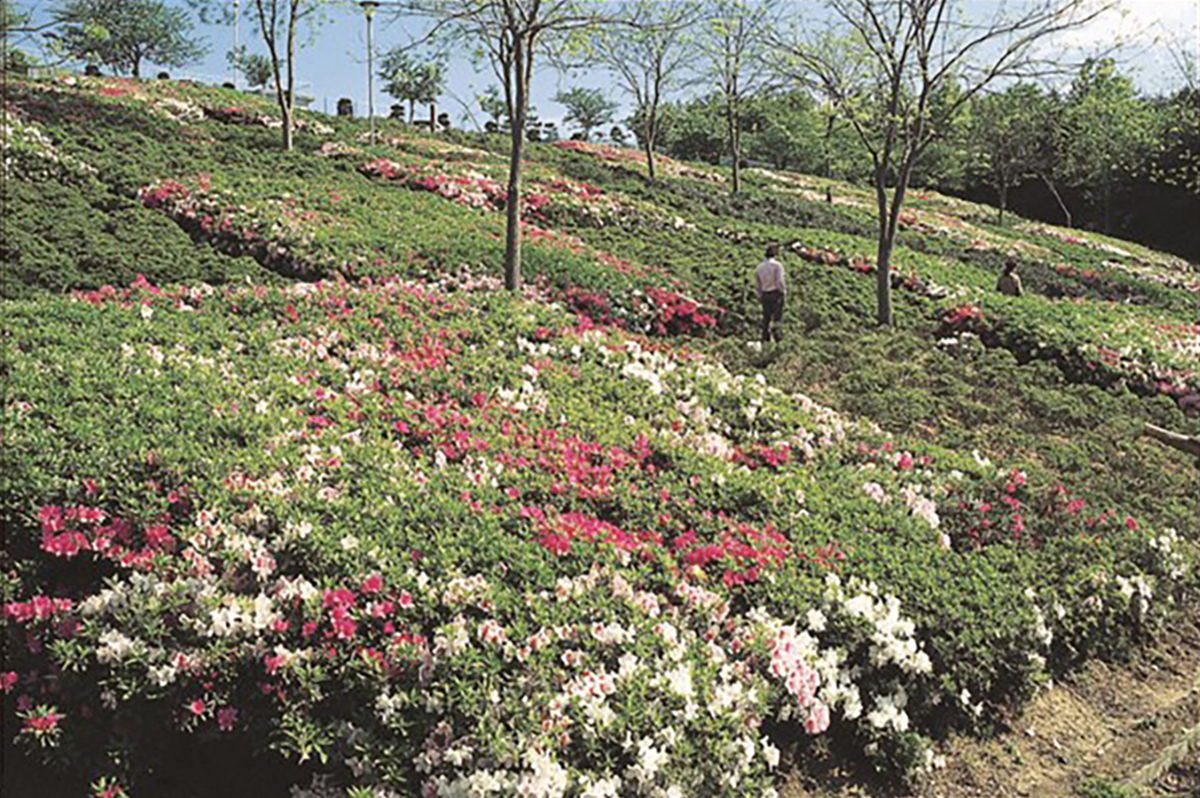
587 109
124 35
1100 787
1006 130
1176 157
492 103
1107 131
255 67
411 80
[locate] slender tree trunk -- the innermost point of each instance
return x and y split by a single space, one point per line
289 105
412 111
883 251
267 22
433 117
651 134
651 137
137 67
1062 206
829 148
737 156
512 241
731 133
1107 199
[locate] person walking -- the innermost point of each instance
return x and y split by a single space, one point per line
1009 283
771 283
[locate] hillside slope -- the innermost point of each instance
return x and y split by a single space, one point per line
450 541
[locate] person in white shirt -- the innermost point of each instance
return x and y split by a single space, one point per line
770 281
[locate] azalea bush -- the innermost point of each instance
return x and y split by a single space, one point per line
420 536
285 234
391 526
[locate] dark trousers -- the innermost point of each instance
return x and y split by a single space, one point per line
772 315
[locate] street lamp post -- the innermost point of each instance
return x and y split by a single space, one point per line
368 7
237 20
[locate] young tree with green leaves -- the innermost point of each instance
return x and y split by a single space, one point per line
13 23
124 34
649 60
587 109
898 95
413 80
1109 132
1176 157
255 67
280 23
492 105
733 43
1005 137
510 35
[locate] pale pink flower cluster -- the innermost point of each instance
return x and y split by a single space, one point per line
790 656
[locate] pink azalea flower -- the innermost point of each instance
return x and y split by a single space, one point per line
227 718
818 718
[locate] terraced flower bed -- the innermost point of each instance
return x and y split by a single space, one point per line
397 527
419 536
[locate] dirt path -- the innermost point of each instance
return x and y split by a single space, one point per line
1110 731
1108 725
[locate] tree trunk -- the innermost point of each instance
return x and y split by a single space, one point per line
883 252
412 111
1062 206
1003 199
829 148
737 156
734 150
433 117
650 155
266 20
289 100
651 136
1107 199
512 241
137 67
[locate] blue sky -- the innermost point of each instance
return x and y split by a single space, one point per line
333 63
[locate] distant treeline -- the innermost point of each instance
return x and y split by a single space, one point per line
1097 155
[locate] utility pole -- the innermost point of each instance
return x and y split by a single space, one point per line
368 7
237 20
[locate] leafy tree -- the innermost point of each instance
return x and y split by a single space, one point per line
122 34
649 60
783 129
692 131
414 81
493 105
12 23
1176 157
510 34
587 109
255 67
280 23
1108 131
1005 137
898 96
733 40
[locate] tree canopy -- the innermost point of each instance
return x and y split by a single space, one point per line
587 109
411 79
124 34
